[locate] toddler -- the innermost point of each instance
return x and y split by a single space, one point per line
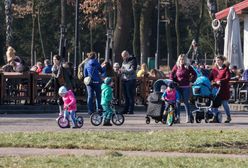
170 95
107 95
69 103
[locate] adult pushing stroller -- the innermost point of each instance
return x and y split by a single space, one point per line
155 104
205 97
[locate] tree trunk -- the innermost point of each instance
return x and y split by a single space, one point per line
177 27
171 60
200 20
33 33
9 20
122 33
145 29
2 33
41 39
136 33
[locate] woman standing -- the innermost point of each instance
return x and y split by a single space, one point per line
220 75
60 77
182 73
93 69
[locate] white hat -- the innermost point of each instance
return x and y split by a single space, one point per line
62 90
116 65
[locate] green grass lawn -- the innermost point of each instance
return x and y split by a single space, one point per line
119 161
207 141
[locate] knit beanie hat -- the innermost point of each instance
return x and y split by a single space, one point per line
107 80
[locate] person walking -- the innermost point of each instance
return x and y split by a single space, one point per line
93 69
220 75
183 74
128 81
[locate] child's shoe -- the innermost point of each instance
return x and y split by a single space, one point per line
74 127
107 123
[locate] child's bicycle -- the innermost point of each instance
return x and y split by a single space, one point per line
117 118
170 113
64 121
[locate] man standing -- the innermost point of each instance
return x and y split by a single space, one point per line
194 52
128 80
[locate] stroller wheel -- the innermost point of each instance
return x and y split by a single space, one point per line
206 120
148 120
198 120
156 121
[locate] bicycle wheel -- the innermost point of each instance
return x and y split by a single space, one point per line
96 119
118 119
63 122
79 121
170 118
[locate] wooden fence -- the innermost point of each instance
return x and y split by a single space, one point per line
25 88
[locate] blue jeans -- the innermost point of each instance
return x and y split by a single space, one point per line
72 115
184 95
129 91
93 90
225 106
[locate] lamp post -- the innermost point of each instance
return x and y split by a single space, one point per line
158 24
76 37
62 41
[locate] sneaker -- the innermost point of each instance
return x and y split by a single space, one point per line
107 124
228 119
177 121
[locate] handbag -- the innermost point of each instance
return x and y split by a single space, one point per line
88 79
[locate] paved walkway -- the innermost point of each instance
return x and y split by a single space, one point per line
46 152
136 122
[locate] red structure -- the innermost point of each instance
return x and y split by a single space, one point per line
239 8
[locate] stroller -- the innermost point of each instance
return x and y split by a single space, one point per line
155 104
205 97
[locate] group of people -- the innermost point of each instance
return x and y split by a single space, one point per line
99 72
185 74
99 92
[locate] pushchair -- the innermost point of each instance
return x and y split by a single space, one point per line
205 97
155 104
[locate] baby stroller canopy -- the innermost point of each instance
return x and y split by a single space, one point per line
202 87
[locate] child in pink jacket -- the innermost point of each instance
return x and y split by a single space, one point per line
69 103
170 95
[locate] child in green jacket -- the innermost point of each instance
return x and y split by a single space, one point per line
106 98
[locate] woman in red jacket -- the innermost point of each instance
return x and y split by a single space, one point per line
183 74
220 75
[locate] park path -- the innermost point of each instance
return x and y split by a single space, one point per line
79 152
